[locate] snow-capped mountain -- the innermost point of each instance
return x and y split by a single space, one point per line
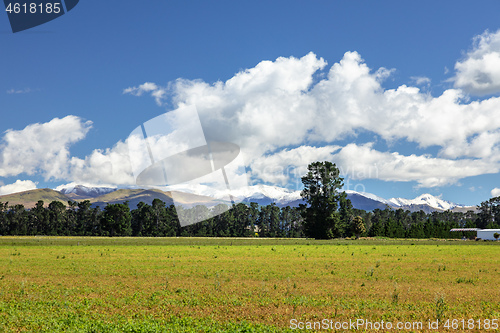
367 201
278 195
425 199
261 194
265 195
369 196
82 191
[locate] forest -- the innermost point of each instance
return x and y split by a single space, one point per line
242 220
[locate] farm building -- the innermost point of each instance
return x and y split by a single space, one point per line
487 234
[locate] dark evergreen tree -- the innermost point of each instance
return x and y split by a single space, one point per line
286 221
253 217
378 223
86 218
4 224
17 220
71 218
242 222
142 220
38 220
345 226
57 219
116 220
321 191
274 221
416 229
429 231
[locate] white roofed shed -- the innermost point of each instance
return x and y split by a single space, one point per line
488 234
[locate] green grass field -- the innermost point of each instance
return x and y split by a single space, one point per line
81 284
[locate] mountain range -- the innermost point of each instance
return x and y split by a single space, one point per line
261 194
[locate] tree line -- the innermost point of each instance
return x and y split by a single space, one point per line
155 220
252 220
326 213
330 214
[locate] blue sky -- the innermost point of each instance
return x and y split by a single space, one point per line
401 95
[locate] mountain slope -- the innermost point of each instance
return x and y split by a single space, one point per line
366 201
29 198
261 194
134 196
424 199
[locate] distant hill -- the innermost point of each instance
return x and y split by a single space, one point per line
29 198
366 202
261 194
133 196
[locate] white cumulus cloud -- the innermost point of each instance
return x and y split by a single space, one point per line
41 148
479 72
361 162
103 166
44 149
276 105
495 192
364 162
18 186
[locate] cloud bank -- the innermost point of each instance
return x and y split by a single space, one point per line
289 112
291 106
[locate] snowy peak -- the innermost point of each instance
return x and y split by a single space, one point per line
425 199
262 194
266 194
84 191
280 195
274 194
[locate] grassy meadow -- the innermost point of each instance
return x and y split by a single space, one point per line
84 284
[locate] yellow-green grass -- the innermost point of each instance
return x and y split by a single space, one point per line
239 285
